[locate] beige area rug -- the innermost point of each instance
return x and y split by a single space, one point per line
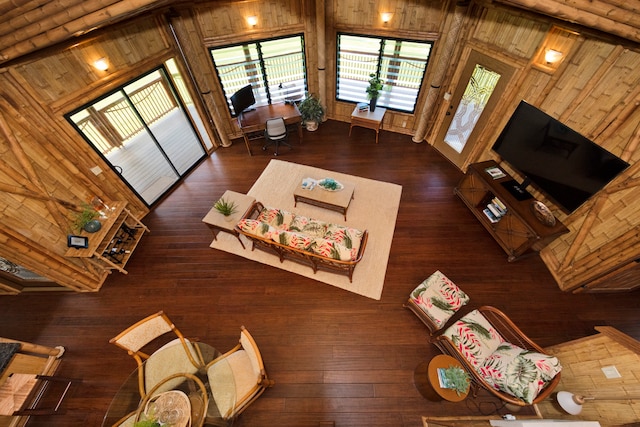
374 208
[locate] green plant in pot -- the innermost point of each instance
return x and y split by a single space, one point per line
225 207
373 90
311 111
455 378
86 219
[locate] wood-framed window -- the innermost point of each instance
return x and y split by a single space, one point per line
399 63
275 68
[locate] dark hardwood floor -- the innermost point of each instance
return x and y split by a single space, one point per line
335 356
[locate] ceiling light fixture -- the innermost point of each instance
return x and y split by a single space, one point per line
101 64
552 56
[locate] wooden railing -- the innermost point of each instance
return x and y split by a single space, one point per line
115 124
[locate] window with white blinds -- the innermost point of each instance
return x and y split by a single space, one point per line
399 64
275 68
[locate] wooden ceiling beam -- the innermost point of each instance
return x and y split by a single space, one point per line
12 8
599 15
52 14
582 13
57 32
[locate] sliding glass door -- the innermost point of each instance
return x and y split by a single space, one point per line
143 131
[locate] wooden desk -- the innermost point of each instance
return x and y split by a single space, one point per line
368 119
253 122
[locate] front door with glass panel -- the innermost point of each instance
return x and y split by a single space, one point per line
144 133
482 83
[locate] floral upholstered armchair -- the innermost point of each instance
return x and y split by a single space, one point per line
500 358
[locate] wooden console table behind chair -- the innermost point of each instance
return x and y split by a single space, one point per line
253 122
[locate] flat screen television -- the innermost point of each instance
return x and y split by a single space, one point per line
242 99
561 163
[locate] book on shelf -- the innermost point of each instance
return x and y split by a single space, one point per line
494 210
499 204
495 172
490 215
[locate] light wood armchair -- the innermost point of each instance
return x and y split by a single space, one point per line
178 355
238 378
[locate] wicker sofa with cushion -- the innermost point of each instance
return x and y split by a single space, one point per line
318 244
500 357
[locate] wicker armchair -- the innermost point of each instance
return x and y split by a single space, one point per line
502 330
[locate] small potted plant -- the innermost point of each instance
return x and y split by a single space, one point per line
225 207
86 219
311 111
455 378
373 90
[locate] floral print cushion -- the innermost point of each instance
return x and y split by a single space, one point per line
330 249
308 234
308 226
276 218
519 372
257 228
439 298
474 337
346 236
292 239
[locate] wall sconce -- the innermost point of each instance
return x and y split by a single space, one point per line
101 64
252 20
386 16
552 56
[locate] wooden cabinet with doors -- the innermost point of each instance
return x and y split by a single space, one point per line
518 231
111 247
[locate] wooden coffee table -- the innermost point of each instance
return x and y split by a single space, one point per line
333 200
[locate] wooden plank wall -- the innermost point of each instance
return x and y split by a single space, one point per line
583 360
595 89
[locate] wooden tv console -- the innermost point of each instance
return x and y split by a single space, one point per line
519 232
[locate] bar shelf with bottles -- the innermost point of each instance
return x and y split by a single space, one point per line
111 247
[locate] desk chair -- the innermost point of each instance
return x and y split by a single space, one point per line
276 133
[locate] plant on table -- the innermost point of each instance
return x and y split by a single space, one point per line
311 111
225 207
375 86
86 214
456 378
373 90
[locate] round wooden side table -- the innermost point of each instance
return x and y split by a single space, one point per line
444 361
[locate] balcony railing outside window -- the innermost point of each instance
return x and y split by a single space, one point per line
275 69
400 64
